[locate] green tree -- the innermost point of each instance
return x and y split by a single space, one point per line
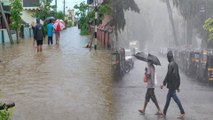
5 115
58 15
87 15
118 12
16 9
194 13
208 26
45 10
84 20
104 9
189 9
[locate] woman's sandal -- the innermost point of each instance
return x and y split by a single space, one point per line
181 116
158 113
141 111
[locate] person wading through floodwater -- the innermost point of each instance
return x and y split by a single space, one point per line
50 32
150 94
39 35
172 80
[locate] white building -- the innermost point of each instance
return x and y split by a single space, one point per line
71 16
29 7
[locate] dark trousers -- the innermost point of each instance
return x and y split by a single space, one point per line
150 94
172 94
50 40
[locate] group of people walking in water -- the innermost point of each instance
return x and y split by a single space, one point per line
39 34
172 81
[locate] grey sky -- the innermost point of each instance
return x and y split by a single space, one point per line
69 3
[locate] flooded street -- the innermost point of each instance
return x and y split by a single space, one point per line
64 82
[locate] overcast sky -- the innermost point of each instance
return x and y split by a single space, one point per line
69 4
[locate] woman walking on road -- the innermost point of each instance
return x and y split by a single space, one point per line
150 94
57 36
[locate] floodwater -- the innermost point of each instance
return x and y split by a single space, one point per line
64 82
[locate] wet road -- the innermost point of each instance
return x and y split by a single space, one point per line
64 82
130 91
196 98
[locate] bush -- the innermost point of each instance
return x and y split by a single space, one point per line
4 115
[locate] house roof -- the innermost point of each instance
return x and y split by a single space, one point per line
30 3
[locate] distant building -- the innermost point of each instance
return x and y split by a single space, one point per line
29 7
99 1
71 16
4 34
6 8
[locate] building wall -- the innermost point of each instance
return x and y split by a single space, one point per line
100 1
5 2
27 16
107 18
71 16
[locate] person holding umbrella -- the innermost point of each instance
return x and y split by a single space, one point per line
57 36
58 26
150 79
150 94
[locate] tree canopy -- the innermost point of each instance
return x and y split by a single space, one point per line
208 26
47 10
119 7
16 9
87 15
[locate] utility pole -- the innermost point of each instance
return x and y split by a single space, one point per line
96 20
6 23
56 5
64 8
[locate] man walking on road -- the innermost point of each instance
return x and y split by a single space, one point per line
172 80
39 35
150 94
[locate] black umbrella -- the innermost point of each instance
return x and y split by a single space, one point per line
153 59
141 56
147 57
49 18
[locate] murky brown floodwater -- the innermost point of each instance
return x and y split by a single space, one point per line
64 82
